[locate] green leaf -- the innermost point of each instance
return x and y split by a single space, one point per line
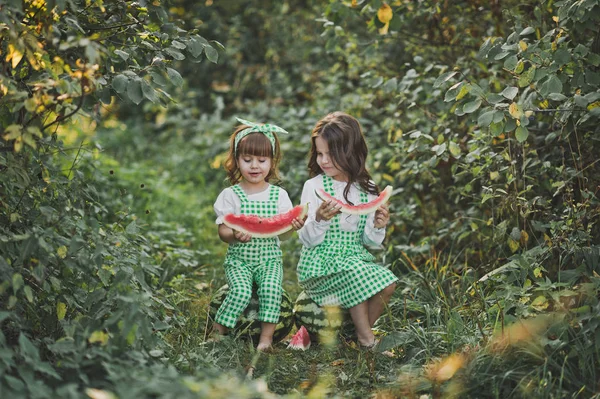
485 119
443 78
211 54
28 293
134 91
17 282
218 45
527 31
527 77
122 54
521 134
131 228
494 98
497 129
557 97
175 77
551 85
562 56
28 350
454 149
511 62
195 47
472 106
119 83
173 52
510 92
149 92
178 45
498 116
158 78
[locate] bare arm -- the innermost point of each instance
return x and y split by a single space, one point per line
230 236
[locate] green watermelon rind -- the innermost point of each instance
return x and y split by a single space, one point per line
248 325
360 209
262 227
309 314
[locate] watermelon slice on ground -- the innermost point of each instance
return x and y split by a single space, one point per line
300 340
360 209
265 227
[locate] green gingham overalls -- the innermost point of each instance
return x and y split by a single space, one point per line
259 261
340 270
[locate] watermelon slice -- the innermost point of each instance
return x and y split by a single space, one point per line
265 227
300 340
360 209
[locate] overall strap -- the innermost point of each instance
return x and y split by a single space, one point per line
335 221
274 193
240 193
363 218
328 185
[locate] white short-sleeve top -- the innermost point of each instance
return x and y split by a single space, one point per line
313 232
228 202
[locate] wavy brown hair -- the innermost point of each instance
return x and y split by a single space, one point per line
347 148
256 144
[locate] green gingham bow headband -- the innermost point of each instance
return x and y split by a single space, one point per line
266 129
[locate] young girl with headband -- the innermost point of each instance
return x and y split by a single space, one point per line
335 268
252 163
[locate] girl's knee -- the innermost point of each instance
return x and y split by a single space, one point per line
243 294
270 290
389 290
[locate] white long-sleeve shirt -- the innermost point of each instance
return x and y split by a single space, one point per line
313 232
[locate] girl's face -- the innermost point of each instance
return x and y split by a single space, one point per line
326 163
254 169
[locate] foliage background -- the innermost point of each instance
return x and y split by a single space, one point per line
115 117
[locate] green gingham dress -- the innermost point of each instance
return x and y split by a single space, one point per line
258 261
340 271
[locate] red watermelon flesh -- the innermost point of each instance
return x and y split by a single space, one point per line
300 340
265 227
360 209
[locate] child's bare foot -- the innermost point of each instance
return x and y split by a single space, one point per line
218 332
264 346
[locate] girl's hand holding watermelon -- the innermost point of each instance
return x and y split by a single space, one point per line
241 237
327 210
382 217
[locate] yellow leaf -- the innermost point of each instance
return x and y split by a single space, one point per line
522 45
524 237
15 55
537 272
384 29
62 252
12 132
98 336
513 245
540 303
385 14
464 90
494 175
61 310
18 144
443 370
515 110
354 3
593 105
544 104
555 19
